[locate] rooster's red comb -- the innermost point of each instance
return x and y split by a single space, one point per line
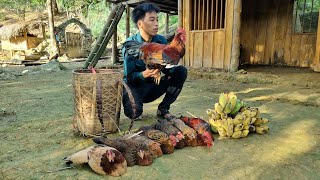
181 30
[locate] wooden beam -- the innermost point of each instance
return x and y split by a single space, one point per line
199 15
212 15
208 16
127 21
195 15
131 1
236 25
43 28
216 17
165 6
180 13
202 15
221 11
316 61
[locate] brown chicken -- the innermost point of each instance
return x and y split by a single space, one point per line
202 128
158 136
102 159
189 133
130 149
174 133
144 156
155 55
153 146
108 161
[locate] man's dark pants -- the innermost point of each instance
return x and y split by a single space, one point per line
170 85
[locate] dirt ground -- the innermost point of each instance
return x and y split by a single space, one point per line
36 133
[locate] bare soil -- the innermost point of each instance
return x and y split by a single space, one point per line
37 133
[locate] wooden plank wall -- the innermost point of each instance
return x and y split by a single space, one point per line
15 43
267 38
206 48
33 42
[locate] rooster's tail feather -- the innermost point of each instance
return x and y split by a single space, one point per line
132 48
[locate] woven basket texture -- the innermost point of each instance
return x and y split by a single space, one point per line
86 92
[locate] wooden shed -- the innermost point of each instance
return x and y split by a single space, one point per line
227 33
22 36
269 32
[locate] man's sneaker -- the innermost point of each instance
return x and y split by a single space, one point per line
165 114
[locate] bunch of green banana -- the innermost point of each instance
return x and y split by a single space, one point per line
238 106
246 119
228 104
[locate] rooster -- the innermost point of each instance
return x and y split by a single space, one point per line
157 56
202 128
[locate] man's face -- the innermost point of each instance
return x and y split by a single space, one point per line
149 24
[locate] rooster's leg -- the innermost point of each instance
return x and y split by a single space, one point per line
157 78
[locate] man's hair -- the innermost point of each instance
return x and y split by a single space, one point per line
140 11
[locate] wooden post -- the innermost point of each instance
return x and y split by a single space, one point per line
114 47
43 28
167 23
180 13
236 25
316 61
128 21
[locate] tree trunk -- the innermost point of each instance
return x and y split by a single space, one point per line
54 43
55 7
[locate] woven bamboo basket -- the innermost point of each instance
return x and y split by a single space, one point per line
97 101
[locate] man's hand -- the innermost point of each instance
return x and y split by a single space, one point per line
150 73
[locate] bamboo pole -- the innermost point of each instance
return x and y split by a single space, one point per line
235 48
105 36
128 21
114 56
114 47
